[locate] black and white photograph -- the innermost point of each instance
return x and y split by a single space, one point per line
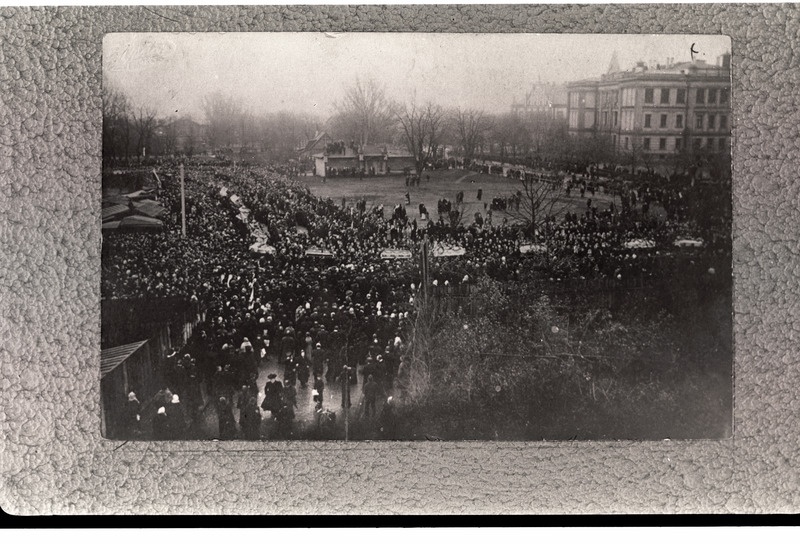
416 236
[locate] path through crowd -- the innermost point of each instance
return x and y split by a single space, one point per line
304 422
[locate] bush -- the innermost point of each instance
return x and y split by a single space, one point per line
520 364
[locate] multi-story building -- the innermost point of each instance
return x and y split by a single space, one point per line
548 99
656 111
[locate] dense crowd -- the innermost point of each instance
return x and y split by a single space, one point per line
347 308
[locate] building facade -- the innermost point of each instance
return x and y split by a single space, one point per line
544 99
656 112
373 160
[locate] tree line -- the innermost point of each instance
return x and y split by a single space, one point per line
367 114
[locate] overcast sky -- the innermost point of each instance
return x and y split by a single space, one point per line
309 71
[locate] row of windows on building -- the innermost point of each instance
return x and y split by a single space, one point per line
703 95
672 144
666 96
702 121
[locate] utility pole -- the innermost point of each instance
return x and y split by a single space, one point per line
183 206
424 263
346 401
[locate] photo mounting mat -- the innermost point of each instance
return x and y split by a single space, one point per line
54 460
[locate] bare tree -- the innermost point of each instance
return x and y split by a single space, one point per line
509 131
223 116
116 124
366 114
538 199
470 126
144 124
282 133
167 136
421 130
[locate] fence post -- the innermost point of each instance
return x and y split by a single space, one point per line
183 206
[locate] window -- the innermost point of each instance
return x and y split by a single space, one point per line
699 121
646 144
663 120
662 143
712 96
723 122
701 96
697 143
573 119
573 100
679 121
648 96
627 143
628 97
616 118
614 140
605 118
712 121
724 94
665 96
627 119
722 144
678 143
681 96
647 120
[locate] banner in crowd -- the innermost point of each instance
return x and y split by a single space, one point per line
261 246
441 250
395 254
686 242
532 248
640 243
318 252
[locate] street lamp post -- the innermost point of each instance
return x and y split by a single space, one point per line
346 401
183 206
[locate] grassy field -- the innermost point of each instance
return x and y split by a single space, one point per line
391 191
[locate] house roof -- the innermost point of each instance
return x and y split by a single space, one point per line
111 358
370 150
140 222
315 140
114 211
150 208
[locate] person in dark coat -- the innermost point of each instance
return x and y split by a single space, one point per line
325 421
290 370
319 386
132 416
161 425
176 418
318 361
371 389
289 394
250 419
284 420
287 343
387 421
272 395
227 423
330 371
244 398
303 373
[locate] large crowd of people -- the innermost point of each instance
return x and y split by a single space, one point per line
345 313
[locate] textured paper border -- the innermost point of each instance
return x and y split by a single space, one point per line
52 458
